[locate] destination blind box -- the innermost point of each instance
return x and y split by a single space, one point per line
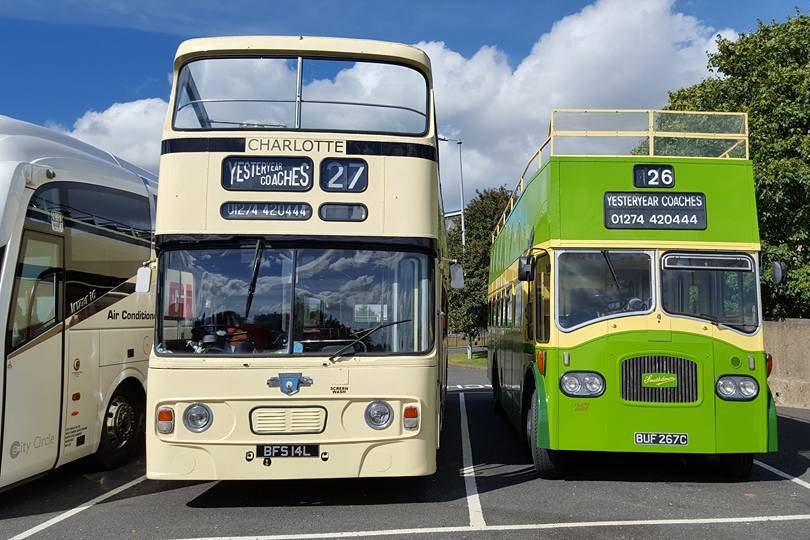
662 210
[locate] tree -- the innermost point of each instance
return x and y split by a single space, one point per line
766 73
468 306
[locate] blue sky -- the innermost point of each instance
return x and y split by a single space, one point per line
69 57
65 58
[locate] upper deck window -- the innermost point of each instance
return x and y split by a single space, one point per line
301 94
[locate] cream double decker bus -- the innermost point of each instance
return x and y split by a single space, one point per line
301 270
75 227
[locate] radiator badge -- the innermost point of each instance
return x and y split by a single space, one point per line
289 383
659 380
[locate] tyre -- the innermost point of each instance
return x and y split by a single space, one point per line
547 463
122 433
736 465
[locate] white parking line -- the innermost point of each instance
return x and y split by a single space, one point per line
526 527
783 474
81 508
468 472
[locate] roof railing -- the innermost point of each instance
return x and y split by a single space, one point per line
635 132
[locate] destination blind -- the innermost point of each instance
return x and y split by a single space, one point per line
247 173
632 210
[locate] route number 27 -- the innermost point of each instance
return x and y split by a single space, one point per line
653 176
347 175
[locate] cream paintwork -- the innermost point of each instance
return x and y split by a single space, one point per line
354 448
403 201
101 345
34 400
402 196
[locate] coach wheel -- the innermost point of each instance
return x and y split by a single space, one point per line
737 465
122 432
547 463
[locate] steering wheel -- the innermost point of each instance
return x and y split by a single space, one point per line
230 334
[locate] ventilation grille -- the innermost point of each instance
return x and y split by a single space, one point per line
286 420
633 370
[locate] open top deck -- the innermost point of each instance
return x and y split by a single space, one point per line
636 178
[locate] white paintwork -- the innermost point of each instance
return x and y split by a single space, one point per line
38 382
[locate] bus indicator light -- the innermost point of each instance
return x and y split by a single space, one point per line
768 364
76 397
410 418
541 361
165 420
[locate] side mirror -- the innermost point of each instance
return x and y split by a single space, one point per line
143 279
526 268
456 276
779 270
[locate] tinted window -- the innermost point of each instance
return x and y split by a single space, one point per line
35 300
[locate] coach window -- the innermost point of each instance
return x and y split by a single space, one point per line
108 237
543 287
518 321
37 282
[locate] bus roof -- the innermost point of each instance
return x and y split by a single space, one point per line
23 142
326 47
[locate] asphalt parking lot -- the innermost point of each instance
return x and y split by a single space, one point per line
484 489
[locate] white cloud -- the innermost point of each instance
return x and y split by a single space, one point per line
130 130
611 54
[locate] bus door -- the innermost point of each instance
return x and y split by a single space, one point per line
33 367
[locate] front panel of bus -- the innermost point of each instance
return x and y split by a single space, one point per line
299 272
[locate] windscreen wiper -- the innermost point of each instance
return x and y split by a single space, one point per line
612 270
715 321
365 335
254 277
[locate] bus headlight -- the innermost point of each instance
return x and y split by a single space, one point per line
737 387
582 384
197 417
379 414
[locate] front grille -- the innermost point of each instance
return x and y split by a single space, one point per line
686 390
286 420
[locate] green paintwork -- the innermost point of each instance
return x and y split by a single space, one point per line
659 380
564 201
543 439
608 423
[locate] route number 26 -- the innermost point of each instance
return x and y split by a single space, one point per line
653 176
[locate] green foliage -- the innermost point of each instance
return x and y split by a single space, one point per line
767 74
468 306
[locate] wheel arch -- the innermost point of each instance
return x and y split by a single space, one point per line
131 378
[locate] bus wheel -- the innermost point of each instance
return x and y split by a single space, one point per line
547 463
123 429
736 465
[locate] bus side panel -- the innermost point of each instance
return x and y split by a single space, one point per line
81 396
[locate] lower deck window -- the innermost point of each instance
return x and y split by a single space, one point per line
600 284
266 301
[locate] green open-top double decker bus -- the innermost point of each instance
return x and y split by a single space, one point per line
624 291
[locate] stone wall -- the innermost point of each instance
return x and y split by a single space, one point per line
789 343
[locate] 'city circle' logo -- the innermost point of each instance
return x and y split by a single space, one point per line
14 451
77 364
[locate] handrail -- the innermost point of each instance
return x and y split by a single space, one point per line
738 139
